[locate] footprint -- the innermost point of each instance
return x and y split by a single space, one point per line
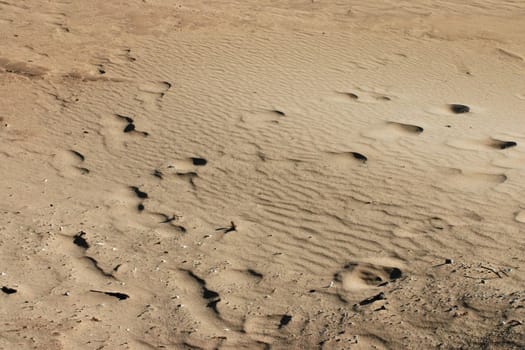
188 164
358 276
151 93
22 68
263 116
499 144
360 95
471 181
64 162
475 145
138 192
393 130
346 158
459 108
130 126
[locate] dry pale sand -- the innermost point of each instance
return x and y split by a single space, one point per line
264 174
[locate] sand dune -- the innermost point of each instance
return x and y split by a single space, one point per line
262 175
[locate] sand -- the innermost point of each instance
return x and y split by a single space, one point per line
262 174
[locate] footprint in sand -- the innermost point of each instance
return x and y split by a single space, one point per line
130 126
476 145
151 93
360 95
69 163
346 158
263 116
453 109
187 165
392 131
471 180
359 275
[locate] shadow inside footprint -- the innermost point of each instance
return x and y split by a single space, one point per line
459 108
8 290
138 192
79 240
199 161
119 296
412 129
285 319
359 156
502 144
357 276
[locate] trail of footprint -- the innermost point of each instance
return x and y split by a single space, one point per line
393 130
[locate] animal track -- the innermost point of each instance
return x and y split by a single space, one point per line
357 276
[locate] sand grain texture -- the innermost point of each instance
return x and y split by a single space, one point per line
262 175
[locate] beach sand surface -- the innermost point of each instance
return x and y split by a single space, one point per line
264 174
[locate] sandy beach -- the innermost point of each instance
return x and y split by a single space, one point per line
227 174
